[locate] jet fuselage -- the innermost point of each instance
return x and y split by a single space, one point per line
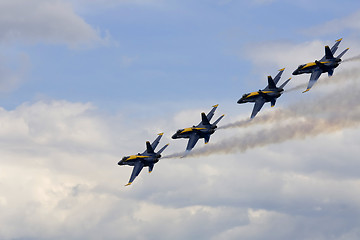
268 95
147 160
325 66
188 132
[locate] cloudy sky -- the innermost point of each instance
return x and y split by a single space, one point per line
84 83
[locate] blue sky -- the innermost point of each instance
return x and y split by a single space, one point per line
173 50
85 83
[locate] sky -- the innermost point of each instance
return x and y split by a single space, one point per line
84 83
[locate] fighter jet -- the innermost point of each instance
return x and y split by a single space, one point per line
203 130
268 94
146 159
327 64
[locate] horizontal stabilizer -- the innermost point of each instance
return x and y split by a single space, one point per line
218 120
283 85
162 149
342 54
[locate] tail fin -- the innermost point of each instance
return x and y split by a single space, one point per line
328 53
283 85
342 54
271 84
149 148
162 149
218 120
204 119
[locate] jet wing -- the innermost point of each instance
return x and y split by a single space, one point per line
156 141
278 76
211 113
136 170
192 141
258 105
313 78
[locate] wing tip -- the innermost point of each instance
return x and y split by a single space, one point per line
339 40
160 134
216 105
308 89
128 184
280 70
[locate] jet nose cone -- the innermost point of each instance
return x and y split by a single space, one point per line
174 136
296 72
120 162
240 101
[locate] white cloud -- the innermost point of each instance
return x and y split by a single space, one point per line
60 180
337 26
51 21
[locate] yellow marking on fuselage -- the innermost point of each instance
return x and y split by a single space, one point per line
132 157
312 64
191 129
256 93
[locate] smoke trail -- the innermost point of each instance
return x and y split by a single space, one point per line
334 111
356 58
325 80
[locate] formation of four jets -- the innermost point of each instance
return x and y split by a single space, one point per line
204 129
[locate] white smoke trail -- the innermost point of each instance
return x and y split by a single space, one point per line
325 80
356 58
336 110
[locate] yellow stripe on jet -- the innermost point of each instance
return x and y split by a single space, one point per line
257 93
132 157
191 129
312 64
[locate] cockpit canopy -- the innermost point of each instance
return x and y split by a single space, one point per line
301 66
245 95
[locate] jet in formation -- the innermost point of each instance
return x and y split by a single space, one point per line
269 94
203 130
146 159
327 64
